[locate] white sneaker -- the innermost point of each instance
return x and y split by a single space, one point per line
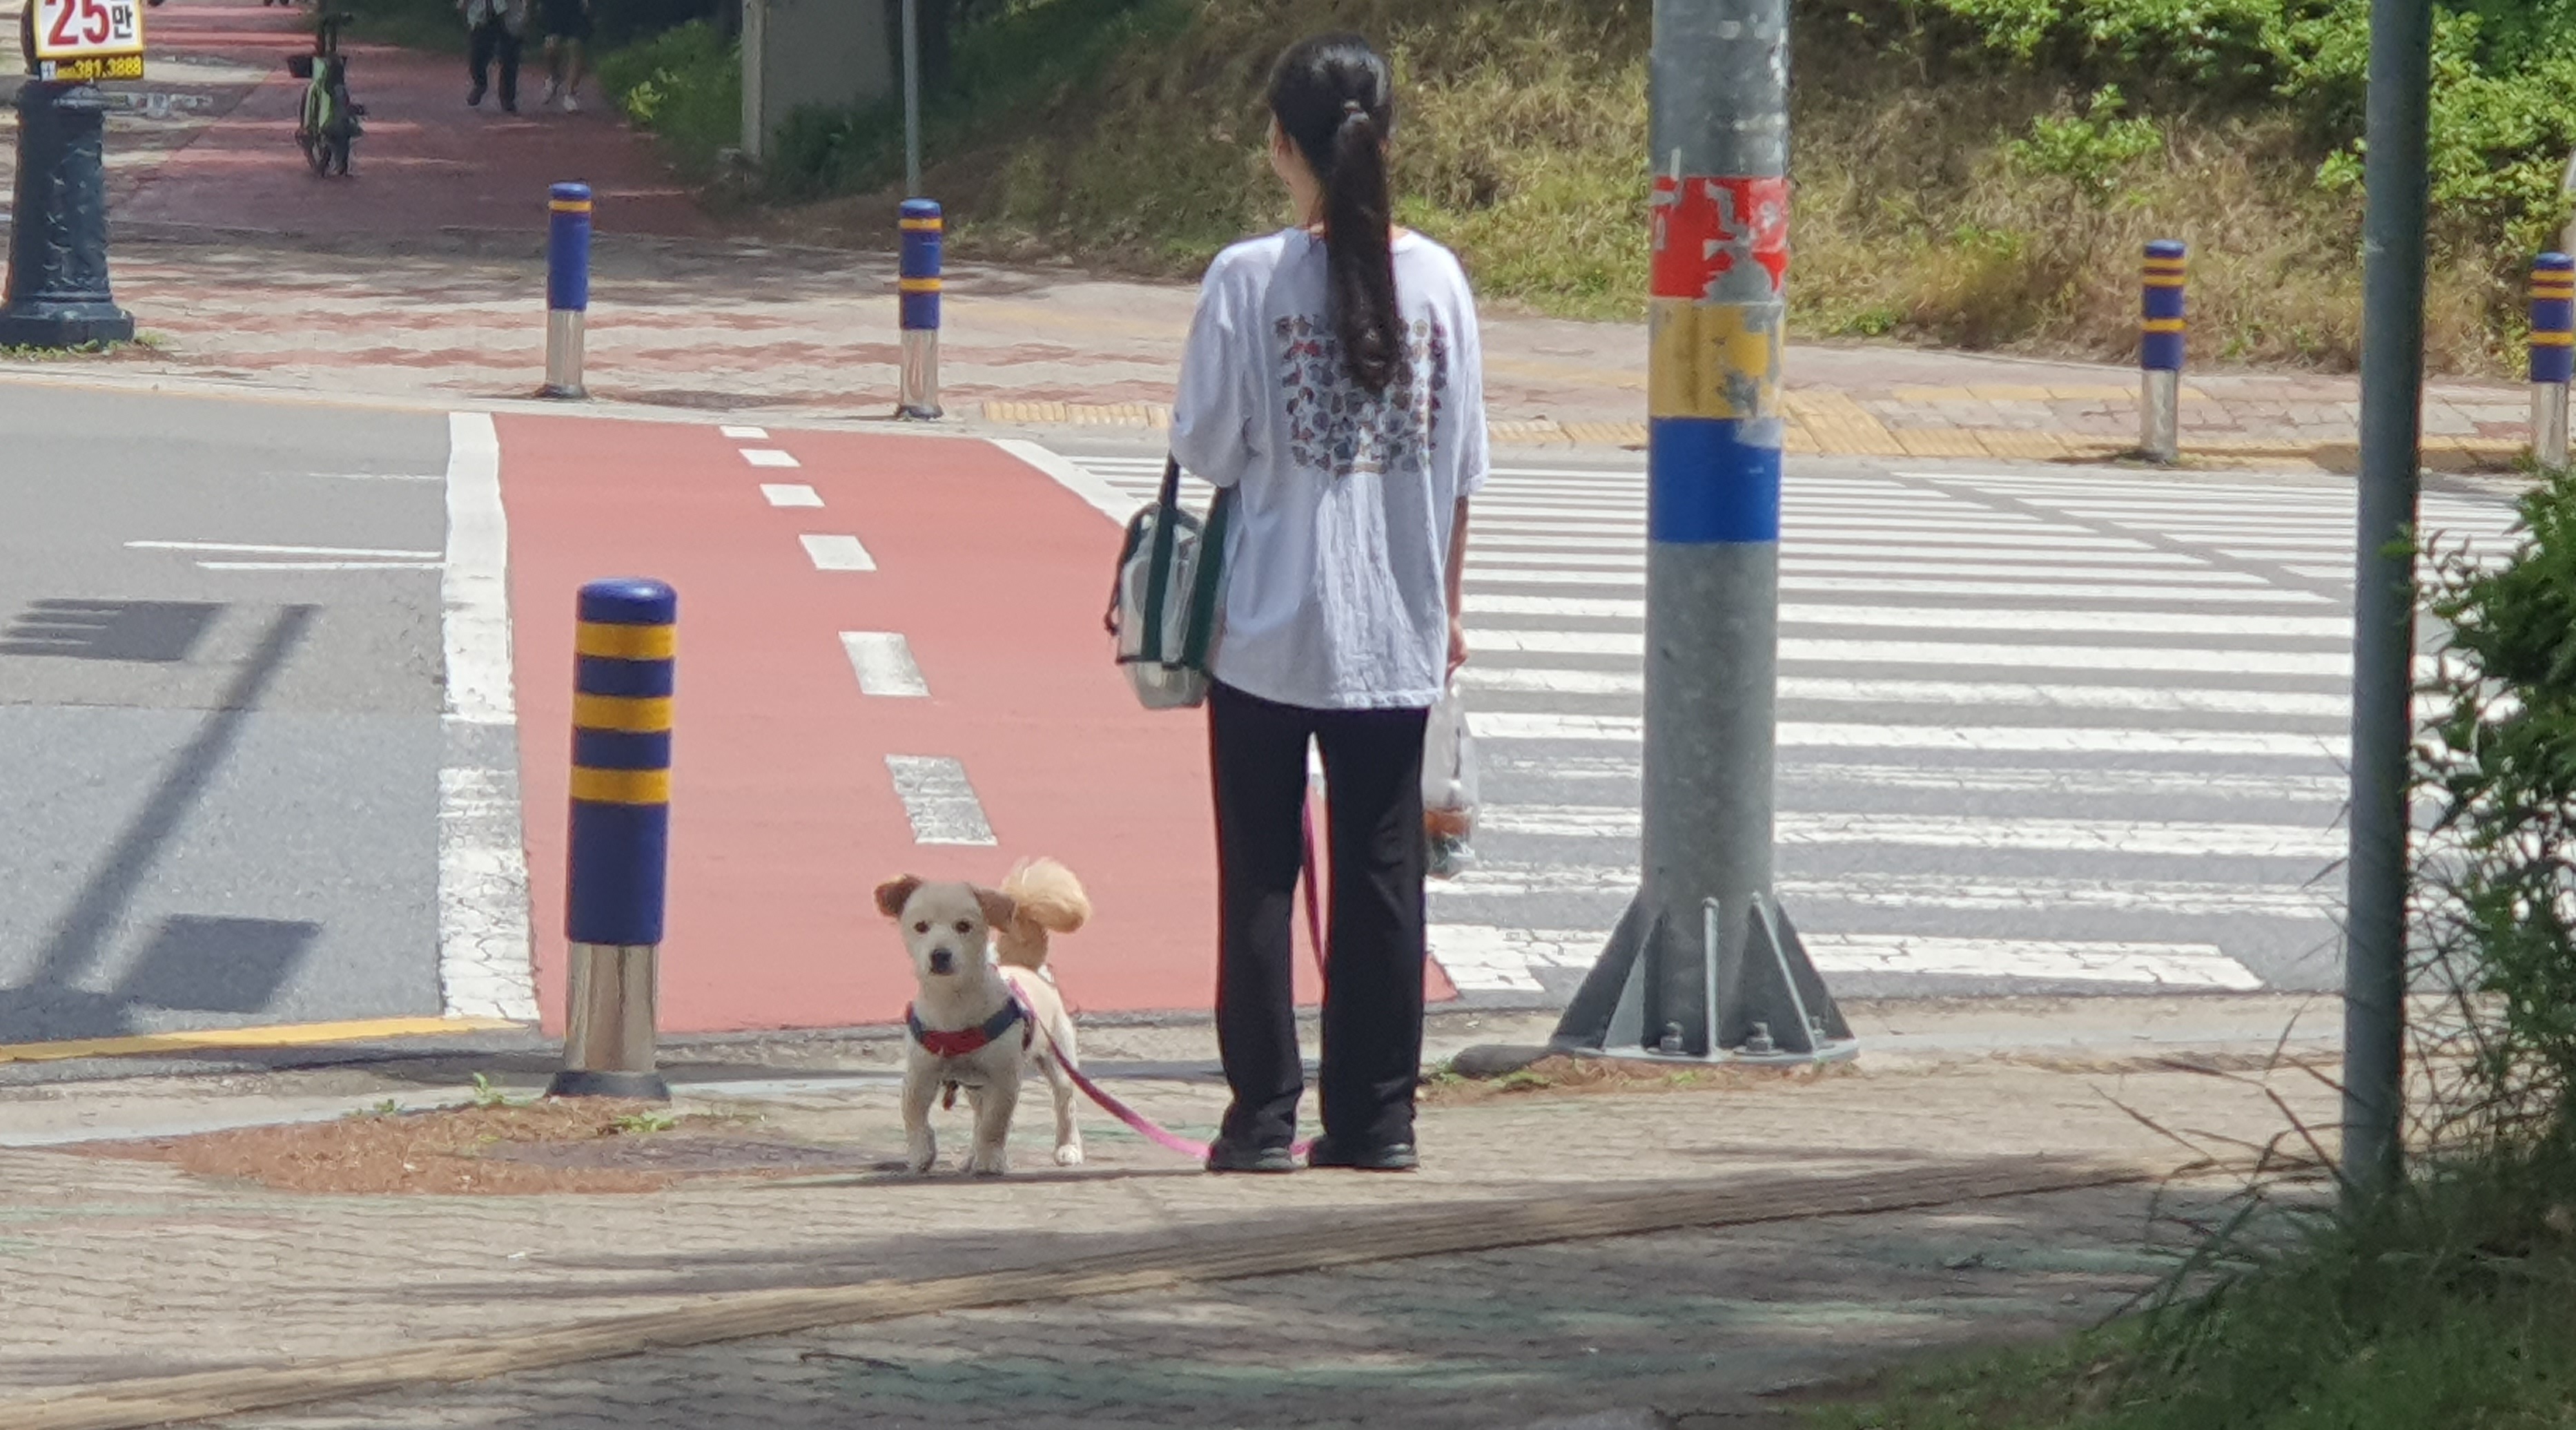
571 105
554 91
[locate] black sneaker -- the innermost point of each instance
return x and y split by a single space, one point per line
1386 1157
474 97
1227 1156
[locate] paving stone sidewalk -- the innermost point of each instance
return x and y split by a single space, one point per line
120 1269
422 279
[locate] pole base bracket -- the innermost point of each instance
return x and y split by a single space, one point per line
1767 1006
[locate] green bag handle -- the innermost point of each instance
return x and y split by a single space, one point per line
1158 573
1209 580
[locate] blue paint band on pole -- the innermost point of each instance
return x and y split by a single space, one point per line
2160 329
567 289
923 228
2553 318
621 775
568 249
917 386
1705 483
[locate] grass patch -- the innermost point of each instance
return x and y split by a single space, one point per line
684 86
432 25
1971 173
2445 1306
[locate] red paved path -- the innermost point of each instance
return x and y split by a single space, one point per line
784 816
425 163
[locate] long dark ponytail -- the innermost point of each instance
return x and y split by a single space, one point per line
1335 100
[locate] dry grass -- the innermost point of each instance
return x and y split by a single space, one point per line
1521 143
445 1151
1560 1076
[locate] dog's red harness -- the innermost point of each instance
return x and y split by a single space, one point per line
962 1042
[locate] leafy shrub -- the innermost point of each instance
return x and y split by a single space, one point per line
684 85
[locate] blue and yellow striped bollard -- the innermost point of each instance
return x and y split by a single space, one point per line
918 395
2160 343
567 288
2553 354
620 847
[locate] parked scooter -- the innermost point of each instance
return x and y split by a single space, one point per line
329 124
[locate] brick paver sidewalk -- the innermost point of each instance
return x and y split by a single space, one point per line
120 1269
422 279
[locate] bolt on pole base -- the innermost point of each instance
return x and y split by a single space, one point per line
1766 1003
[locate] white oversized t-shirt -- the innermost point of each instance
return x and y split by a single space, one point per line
1335 594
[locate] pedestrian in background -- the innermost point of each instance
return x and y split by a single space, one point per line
494 30
567 24
1334 380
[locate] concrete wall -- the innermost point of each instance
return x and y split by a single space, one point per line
800 52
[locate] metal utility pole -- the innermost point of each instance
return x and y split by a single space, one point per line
2383 641
911 98
1704 966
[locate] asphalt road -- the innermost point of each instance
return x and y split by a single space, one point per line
219 712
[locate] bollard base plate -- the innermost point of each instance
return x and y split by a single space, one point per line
55 326
637 1086
918 414
564 394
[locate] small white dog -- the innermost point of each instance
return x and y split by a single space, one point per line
978 1023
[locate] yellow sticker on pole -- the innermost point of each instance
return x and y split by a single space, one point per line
88 39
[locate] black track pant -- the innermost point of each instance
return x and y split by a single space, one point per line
492 40
1372 1046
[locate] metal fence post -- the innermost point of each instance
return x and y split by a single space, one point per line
1704 965
621 825
2160 344
2553 355
918 396
567 289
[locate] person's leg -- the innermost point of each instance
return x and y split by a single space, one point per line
1257 763
554 68
510 46
577 67
478 60
1374 942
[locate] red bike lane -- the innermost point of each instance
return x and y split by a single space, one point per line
785 814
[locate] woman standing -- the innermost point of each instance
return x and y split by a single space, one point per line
1333 381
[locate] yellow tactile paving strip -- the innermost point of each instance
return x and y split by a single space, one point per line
1825 422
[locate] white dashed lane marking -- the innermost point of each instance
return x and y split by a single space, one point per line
938 799
838 553
790 494
768 457
883 662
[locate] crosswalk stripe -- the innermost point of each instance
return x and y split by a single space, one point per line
1862 691
2024 739
1950 892
2039 834
2327 628
2181 643
1493 575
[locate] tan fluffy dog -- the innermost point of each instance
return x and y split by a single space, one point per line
971 1024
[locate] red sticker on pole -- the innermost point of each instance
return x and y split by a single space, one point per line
1708 228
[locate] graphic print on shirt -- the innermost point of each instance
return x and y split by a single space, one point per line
1340 428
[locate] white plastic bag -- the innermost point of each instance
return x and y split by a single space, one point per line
1449 787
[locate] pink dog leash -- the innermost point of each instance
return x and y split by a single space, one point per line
1142 1125
1147 1127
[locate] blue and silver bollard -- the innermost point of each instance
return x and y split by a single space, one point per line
567 288
919 393
2553 355
621 827
2160 341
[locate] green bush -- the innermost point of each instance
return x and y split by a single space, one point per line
685 86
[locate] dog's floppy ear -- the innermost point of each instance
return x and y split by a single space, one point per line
998 908
894 893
